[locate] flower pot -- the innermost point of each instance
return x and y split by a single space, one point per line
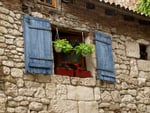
82 73
64 72
58 50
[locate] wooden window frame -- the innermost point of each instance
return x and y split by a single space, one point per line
58 62
54 2
82 62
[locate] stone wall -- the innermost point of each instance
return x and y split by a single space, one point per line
26 93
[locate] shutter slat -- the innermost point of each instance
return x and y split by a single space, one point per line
105 64
104 70
102 41
39 28
38 48
46 59
37 65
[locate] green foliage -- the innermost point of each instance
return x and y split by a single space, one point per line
84 49
143 6
62 45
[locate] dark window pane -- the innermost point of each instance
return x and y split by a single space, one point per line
41 0
143 53
49 1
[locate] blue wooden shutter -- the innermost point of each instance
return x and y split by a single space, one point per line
38 48
105 63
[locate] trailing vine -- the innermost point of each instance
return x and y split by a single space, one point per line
143 6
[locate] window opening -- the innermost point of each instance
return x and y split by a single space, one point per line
68 61
143 52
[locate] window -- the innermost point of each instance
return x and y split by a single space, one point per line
143 52
51 3
39 54
66 63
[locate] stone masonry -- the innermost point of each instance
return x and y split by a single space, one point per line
21 92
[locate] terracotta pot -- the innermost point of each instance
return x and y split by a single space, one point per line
82 74
64 72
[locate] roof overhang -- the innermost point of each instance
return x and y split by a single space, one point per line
124 10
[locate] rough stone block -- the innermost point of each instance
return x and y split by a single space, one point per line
2 103
3 30
148 109
97 93
88 107
1 3
127 98
1 51
11 89
9 41
18 98
60 79
10 110
133 68
24 103
63 106
131 106
106 96
45 101
19 43
8 63
114 106
14 32
2 39
12 104
31 84
35 106
40 93
26 92
132 49
80 93
148 52
29 77
50 90
142 108
143 65
61 91
142 41
10 79
16 72
4 10
116 96
6 24
20 83
104 105
83 81
43 78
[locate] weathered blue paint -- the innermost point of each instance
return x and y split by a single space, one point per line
38 48
105 63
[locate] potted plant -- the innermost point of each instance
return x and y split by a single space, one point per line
79 72
64 70
84 49
62 45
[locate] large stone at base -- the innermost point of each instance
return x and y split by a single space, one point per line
88 107
80 93
63 106
143 65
